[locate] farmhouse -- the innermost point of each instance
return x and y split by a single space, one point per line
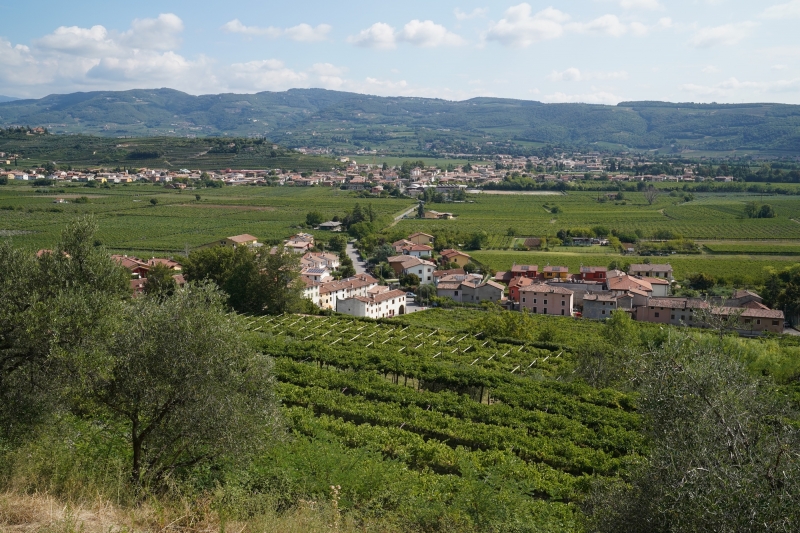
421 238
407 264
332 291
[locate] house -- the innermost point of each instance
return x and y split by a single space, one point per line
300 243
544 299
407 264
516 284
525 271
331 226
674 311
332 291
318 275
593 273
555 272
660 286
417 250
378 303
399 245
421 238
137 286
454 256
169 263
742 297
439 274
235 241
599 306
320 260
652 271
134 265
469 288
639 288
310 289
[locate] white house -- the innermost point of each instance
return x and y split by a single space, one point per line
377 304
332 291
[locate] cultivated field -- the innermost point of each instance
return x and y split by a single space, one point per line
130 223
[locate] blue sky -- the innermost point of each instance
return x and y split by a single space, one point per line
596 51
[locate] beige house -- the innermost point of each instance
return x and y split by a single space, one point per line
380 302
421 238
332 291
546 299
454 256
651 271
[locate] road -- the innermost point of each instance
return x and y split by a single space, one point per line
358 264
399 217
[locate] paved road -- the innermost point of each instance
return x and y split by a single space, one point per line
358 264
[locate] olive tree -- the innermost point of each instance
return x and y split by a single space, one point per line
180 376
723 451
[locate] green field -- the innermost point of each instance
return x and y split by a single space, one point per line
128 222
759 248
709 216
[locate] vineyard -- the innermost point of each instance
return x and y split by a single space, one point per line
130 223
709 216
756 248
456 412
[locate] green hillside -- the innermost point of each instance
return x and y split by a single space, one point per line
348 121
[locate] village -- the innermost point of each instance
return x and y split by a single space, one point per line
379 179
595 292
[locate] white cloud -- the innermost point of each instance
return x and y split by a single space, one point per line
640 4
84 42
380 36
604 25
725 35
710 69
639 29
300 33
778 67
573 74
600 97
265 75
329 76
520 28
428 34
161 33
788 10
478 12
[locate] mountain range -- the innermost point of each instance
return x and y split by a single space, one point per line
349 121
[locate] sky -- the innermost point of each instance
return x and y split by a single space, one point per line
592 51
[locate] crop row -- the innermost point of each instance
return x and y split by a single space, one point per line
536 479
559 453
372 387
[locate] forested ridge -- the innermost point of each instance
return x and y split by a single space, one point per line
321 118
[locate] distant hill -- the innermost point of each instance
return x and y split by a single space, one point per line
316 117
7 98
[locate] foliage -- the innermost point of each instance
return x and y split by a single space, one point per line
179 375
160 282
721 457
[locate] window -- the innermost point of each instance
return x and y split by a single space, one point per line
774 322
534 300
523 299
656 315
456 293
758 321
563 303
545 302
604 311
673 317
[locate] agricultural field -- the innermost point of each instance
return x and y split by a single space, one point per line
130 223
709 216
752 248
737 269
447 415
